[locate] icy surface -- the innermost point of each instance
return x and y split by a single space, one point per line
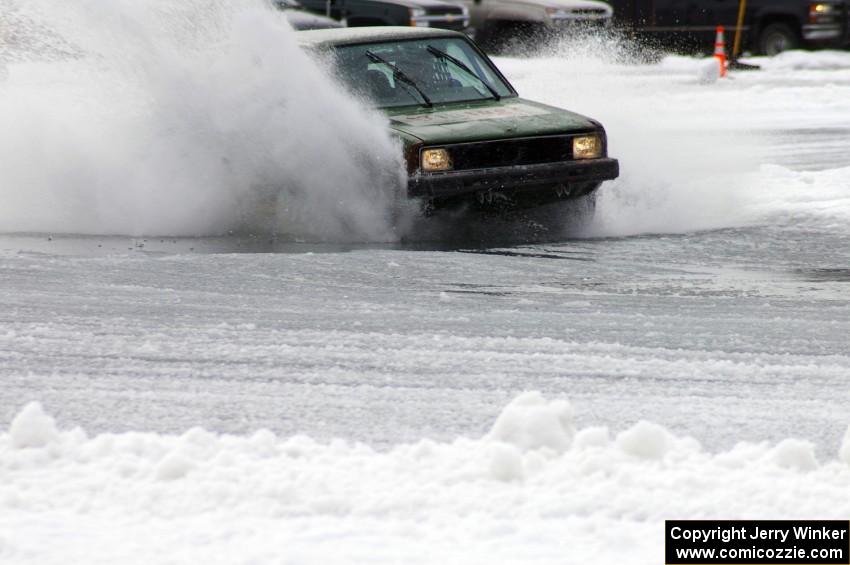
735 332
725 335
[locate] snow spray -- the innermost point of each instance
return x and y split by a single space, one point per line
152 117
684 159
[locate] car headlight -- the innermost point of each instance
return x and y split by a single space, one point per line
558 13
821 9
436 160
822 13
587 147
416 15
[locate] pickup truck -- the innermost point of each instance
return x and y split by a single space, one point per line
501 23
411 13
301 19
770 26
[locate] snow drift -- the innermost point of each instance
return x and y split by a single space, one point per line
533 489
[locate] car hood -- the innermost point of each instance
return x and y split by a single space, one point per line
486 120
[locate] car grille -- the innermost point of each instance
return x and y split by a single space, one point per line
598 12
442 10
451 18
507 152
456 25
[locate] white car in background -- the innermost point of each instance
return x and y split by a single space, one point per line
300 19
502 23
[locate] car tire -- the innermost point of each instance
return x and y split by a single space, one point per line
777 37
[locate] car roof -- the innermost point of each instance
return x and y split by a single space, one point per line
359 35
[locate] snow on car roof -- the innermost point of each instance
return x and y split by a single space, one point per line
354 35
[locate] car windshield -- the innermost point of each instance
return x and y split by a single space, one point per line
421 72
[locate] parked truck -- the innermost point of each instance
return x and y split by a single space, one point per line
500 23
413 13
769 26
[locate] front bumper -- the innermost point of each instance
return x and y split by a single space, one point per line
826 33
568 178
456 22
571 21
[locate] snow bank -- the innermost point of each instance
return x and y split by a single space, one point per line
805 60
533 489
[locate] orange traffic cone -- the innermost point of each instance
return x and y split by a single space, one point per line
720 50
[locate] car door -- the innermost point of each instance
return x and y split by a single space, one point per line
643 12
705 15
691 24
717 12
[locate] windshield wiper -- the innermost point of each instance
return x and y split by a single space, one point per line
400 76
462 66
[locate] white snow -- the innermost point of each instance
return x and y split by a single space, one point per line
593 436
645 439
530 422
795 454
173 466
819 198
844 450
144 498
506 462
32 427
804 60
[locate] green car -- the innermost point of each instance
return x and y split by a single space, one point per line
467 136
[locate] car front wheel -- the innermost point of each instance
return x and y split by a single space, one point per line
776 38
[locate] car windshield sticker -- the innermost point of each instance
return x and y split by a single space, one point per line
471 114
